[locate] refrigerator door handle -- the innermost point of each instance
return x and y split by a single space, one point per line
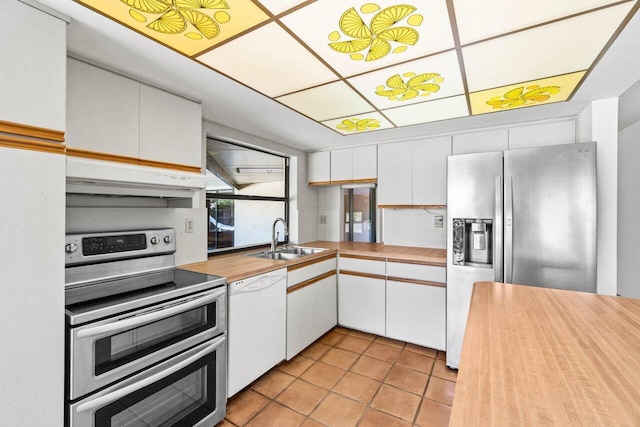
498 232
508 229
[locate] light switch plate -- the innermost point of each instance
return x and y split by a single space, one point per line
438 221
323 219
188 225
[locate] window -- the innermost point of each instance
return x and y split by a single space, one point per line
247 189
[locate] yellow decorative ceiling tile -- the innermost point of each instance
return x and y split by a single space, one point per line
355 37
542 51
361 123
251 59
441 109
421 80
326 102
528 94
477 20
188 26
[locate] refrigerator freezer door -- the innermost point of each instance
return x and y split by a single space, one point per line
550 216
471 193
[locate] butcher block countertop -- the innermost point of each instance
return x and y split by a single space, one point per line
237 266
545 357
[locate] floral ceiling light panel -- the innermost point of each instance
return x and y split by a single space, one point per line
362 66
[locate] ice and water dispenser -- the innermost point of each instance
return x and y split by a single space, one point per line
473 242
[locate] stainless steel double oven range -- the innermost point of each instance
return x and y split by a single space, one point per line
146 341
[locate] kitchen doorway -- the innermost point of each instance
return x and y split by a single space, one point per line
359 213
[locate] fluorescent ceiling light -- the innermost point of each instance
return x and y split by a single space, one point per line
258 170
361 66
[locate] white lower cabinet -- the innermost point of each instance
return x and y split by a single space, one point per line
311 312
312 308
416 313
361 303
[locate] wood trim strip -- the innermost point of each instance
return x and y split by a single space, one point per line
319 183
412 206
96 155
311 262
31 131
310 281
366 257
417 282
174 166
30 144
355 181
416 262
359 274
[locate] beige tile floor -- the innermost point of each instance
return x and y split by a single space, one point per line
350 378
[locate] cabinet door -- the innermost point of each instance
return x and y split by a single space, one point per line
361 303
416 314
541 134
33 52
430 171
481 142
341 165
395 174
365 163
170 128
319 165
102 110
311 312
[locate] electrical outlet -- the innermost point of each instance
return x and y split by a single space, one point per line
438 221
323 219
188 225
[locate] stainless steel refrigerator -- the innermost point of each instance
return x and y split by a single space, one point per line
525 216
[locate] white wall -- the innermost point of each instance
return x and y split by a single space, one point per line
330 207
599 122
413 227
628 194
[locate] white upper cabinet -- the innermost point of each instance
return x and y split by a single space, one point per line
354 165
319 167
342 165
430 171
112 114
170 127
541 134
33 51
102 110
481 141
395 174
413 173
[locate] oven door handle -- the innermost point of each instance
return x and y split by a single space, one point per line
152 316
132 388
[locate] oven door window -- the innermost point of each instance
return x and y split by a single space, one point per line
181 399
119 349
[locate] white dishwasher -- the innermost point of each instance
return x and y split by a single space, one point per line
256 327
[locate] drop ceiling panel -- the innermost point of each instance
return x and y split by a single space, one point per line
441 109
478 20
542 51
421 80
355 37
358 124
327 102
528 94
254 60
278 6
190 27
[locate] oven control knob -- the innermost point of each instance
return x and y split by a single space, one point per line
168 239
155 240
70 248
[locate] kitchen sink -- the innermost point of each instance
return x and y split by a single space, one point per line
287 253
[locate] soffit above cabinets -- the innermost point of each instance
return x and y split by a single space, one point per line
362 66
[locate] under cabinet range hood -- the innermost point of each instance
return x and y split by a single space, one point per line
103 178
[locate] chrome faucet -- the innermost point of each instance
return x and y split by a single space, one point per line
275 236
